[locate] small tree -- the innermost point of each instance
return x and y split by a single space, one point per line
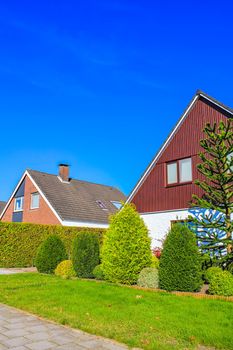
180 264
85 254
50 253
214 225
126 247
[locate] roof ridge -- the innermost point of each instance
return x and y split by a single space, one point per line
198 95
201 93
85 181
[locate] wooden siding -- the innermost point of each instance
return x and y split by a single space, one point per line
153 195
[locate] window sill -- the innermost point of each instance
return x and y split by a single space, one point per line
179 184
18 211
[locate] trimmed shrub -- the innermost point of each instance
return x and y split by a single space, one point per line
19 242
230 268
85 255
211 273
180 263
50 253
155 261
126 247
98 272
65 269
221 283
149 278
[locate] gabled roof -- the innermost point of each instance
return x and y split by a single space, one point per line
200 95
2 206
76 200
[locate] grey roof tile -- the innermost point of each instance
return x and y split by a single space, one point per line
2 205
76 200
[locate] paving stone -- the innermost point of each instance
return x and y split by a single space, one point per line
37 329
91 344
70 346
10 326
21 331
2 337
62 340
41 345
38 336
16 333
17 341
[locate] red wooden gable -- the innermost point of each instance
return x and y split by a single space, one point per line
153 195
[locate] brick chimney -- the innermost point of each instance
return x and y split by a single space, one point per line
64 172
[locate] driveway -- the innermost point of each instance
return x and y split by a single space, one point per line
23 331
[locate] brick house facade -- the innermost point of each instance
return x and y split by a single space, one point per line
43 198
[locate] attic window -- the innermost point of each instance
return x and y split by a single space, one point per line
101 205
18 205
35 200
179 171
116 204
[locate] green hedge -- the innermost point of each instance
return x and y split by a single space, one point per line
19 241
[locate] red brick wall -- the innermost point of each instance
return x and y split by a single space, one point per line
7 217
42 215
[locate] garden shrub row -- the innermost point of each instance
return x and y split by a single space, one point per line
51 256
19 241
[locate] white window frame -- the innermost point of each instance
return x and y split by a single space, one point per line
180 161
177 177
178 172
22 203
31 205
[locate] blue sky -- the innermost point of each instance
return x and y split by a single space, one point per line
100 84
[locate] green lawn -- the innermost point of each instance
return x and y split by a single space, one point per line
145 319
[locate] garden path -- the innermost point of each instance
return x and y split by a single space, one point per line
22 331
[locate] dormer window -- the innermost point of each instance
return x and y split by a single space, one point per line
179 171
101 205
116 204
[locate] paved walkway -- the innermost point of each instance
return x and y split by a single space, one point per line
23 331
6 271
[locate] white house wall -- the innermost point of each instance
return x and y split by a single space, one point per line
159 223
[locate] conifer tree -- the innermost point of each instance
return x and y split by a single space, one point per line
126 247
214 226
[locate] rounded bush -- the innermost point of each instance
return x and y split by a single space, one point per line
126 247
180 263
65 269
221 283
50 253
212 272
149 278
85 254
98 272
